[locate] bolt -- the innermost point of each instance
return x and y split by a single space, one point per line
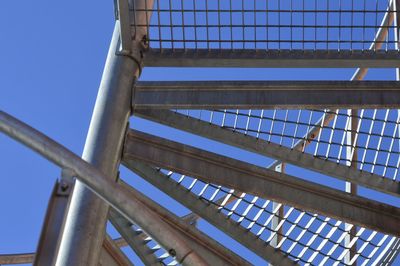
172 252
144 39
64 186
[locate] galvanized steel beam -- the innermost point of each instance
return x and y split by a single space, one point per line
17 258
46 252
273 150
352 157
86 219
111 254
104 187
271 58
209 213
137 244
266 94
122 6
212 252
262 182
28 258
108 256
87 215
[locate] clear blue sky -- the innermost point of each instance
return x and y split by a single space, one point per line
51 60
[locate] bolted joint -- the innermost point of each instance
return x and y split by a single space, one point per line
145 42
66 182
172 252
64 188
136 53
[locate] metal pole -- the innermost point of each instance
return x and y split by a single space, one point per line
351 157
111 192
279 214
84 229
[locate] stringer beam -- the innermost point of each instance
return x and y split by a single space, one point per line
47 249
50 236
135 241
110 252
266 94
208 212
271 58
111 255
265 183
273 150
212 252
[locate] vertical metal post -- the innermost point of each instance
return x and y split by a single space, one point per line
396 24
49 238
351 157
277 218
84 229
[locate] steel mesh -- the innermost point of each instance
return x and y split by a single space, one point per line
271 25
304 237
376 138
292 25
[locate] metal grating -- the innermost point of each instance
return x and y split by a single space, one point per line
269 25
366 139
377 136
307 237
373 145
304 237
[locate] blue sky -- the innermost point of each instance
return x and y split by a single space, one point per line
52 57
51 60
